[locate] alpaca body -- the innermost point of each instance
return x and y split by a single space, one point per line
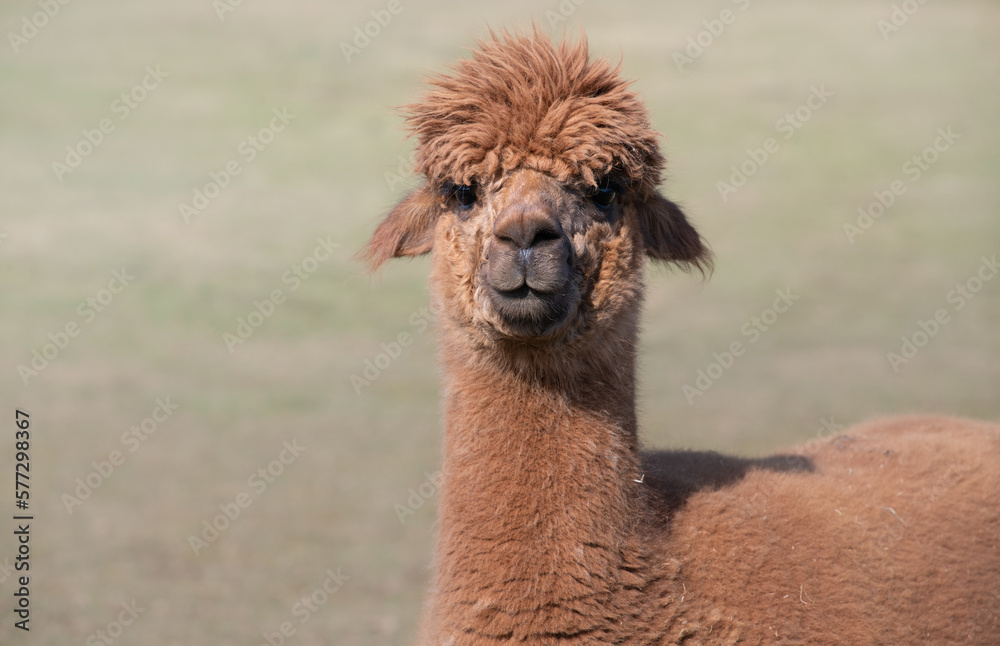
892 537
555 530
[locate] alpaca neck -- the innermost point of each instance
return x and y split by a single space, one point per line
540 496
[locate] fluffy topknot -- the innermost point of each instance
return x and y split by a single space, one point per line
524 101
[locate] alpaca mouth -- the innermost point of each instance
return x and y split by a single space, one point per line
530 313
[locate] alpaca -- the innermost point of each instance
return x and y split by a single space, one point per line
540 206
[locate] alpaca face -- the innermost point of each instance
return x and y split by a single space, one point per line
540 199
530 258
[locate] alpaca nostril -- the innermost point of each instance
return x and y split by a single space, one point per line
544 234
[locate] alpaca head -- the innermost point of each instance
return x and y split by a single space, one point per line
540 201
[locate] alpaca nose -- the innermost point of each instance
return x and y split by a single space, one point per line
526 231
530 249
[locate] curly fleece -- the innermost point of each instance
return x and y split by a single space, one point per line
524 102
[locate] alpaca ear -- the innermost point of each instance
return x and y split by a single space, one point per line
669 236
408 230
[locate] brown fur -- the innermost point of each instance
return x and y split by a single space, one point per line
554 528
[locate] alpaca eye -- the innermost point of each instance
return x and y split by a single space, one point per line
604 194
466 195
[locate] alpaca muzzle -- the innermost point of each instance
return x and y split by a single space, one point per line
528 272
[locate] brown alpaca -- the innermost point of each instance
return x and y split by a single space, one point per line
540 207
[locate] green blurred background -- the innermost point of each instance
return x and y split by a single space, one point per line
331 173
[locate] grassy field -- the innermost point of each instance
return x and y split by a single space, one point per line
126 282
